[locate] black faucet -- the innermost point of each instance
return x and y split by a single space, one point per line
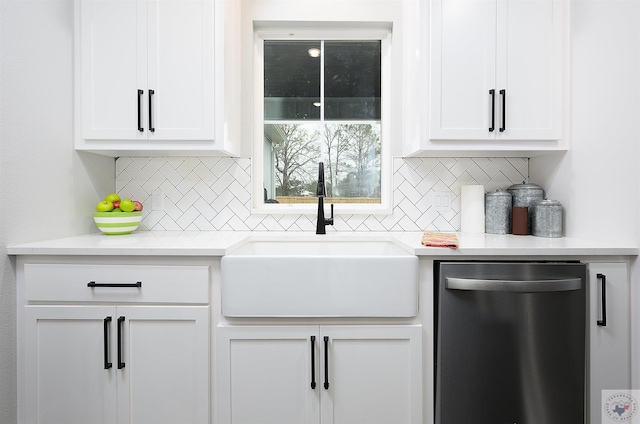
321 192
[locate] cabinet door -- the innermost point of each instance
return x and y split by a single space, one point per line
164 375
66 380
513 48
113 67
529 54
609 367
374 374
265 375
180 54
462 62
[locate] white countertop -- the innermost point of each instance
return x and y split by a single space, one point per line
219 243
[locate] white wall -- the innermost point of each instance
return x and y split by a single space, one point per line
46 189
598 180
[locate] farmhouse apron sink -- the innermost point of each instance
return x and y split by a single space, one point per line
320 278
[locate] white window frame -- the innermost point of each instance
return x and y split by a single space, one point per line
375 32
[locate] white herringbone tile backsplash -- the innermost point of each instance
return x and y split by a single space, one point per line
214 193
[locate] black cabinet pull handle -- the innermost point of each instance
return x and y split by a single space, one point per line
313 362
603 322
151 93
120 363
140 93
326 362
503 93
94 284
492 93
107 364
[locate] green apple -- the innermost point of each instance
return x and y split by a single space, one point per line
127 205
112 197
104 206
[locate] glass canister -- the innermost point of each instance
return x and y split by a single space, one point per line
526 195
497 214
547 218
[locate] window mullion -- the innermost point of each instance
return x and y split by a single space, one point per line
322 81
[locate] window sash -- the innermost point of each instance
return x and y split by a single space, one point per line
382 34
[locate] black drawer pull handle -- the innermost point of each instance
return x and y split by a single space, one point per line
107 364
603 322
120 363
326 362
313 362
151 93
492 92
94 284
503 93
140 93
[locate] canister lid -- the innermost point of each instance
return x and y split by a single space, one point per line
548 203
498 193
526 189
525 186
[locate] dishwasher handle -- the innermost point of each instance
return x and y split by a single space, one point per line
603 308
516 286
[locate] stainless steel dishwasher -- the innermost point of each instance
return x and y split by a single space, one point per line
510 342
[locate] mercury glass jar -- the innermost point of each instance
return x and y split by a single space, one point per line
497 215
547 218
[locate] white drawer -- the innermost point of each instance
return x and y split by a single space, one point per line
116 283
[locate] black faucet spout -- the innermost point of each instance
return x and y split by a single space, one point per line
320 226
321 192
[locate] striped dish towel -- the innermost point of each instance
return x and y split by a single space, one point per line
439 240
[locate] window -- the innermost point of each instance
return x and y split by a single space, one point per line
322 100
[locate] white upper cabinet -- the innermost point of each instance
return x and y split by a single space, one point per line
463 66
111 67
495 71
147 76
180 70
529 69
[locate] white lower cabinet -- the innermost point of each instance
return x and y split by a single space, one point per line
129 364
119 358
166 377
608 329
65 376
320 374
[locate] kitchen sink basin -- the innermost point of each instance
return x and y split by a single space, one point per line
320 278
